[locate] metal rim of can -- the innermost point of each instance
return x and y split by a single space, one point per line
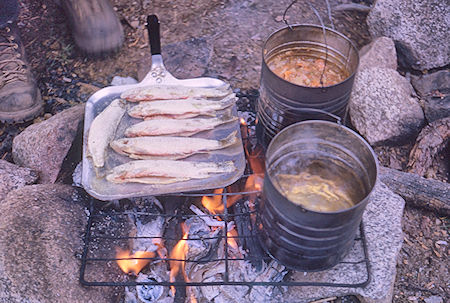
351 133
318 27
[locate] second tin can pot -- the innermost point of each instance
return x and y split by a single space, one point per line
282 102
318 181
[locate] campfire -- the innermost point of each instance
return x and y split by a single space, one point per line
210 241
196 246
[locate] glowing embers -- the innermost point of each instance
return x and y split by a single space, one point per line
178 257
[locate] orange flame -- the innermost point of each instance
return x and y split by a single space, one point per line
231 240
179 252
133 263
214 203
244 131
256 161
193 299
254 183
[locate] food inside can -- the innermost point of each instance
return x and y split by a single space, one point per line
322 186
296 67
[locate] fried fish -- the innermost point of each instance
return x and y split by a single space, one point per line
166 92
166 171
102 131
169 147
180 109
183 127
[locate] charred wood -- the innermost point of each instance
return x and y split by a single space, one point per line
418 191
247 230
174 206
72 158
431 141
353 7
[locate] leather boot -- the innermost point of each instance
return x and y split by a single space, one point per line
20 99
95 26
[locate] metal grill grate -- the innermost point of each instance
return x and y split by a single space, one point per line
94 237
96 216
94 259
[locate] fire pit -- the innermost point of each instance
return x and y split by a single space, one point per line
202 245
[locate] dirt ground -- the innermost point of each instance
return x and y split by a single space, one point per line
232 34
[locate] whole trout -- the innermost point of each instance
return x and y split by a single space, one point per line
169 147
102 131
166 171
165 92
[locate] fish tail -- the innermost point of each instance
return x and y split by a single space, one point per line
222 90
227 116
116 146
229 140
122 103
228 101
224 87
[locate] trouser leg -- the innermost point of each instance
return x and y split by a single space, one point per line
9 10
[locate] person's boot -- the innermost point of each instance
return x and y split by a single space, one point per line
20 99
95 26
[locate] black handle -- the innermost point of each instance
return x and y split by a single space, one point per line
153 34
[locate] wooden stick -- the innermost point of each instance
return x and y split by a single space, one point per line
418 191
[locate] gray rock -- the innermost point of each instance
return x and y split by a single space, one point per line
429 83
434 89
436 108
13 177
186 59
383 229
382 108
41 230
419 28
434 299
44 145
380 53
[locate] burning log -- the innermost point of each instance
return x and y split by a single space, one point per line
208 220
246 228
417 191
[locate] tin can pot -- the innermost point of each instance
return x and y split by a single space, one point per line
296 235
282 102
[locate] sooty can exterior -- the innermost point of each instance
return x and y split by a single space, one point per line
283 103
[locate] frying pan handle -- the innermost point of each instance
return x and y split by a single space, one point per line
153 34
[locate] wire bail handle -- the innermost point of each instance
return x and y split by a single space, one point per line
308 109
315 12
323 31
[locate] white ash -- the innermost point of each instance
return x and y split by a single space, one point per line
76 175
130 297
150 293
238 270
147 226
208 220
153 228
241 271
207 245
198 249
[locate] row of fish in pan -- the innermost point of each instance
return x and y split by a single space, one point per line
171 115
